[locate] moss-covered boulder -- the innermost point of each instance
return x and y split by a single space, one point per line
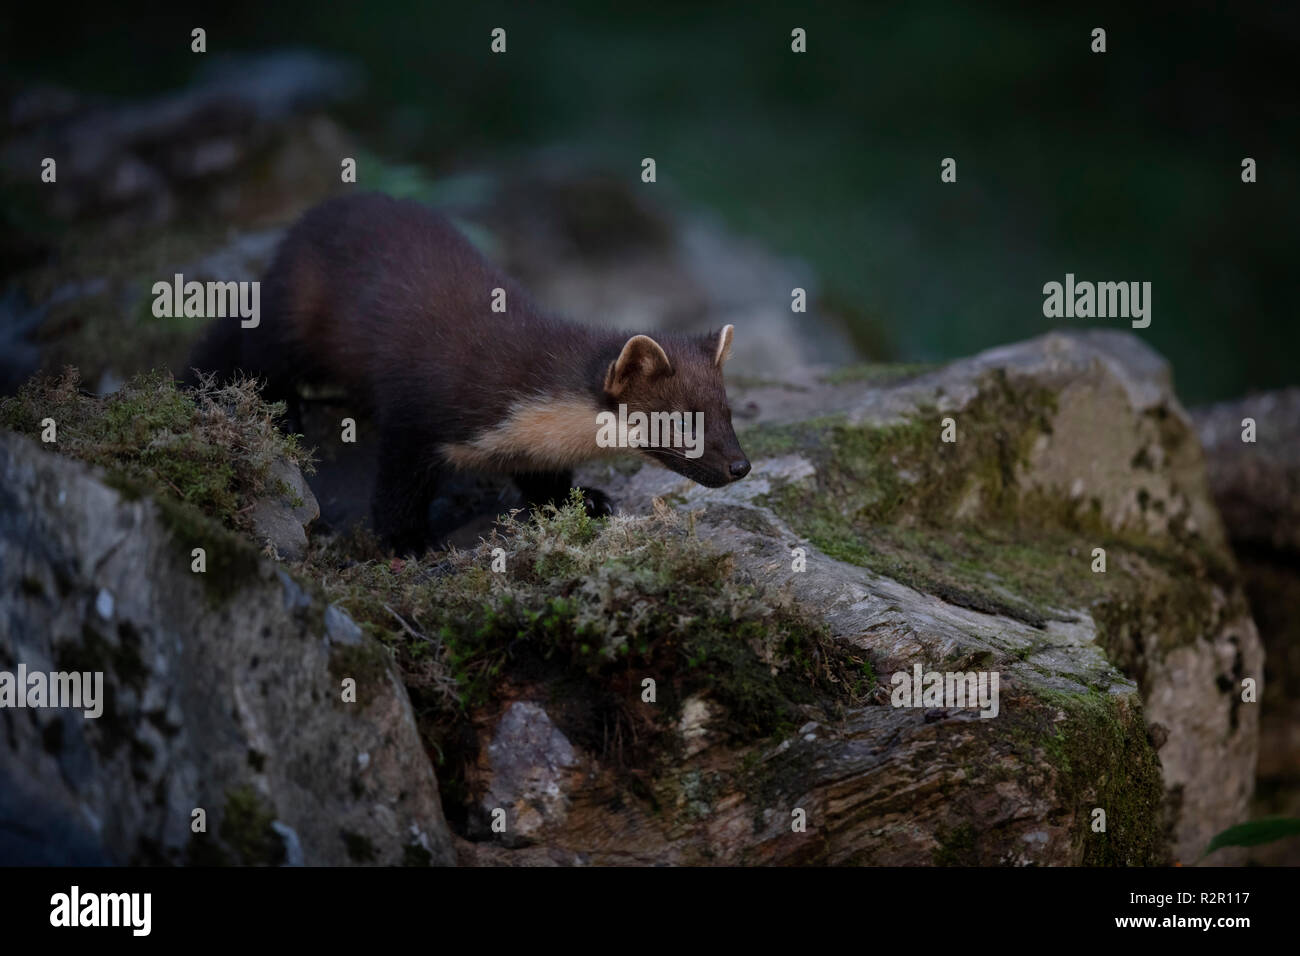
1121 688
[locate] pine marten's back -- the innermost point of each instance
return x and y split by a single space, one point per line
363 287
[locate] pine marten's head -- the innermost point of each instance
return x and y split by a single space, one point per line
674 405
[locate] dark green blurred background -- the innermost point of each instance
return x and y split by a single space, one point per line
1122 166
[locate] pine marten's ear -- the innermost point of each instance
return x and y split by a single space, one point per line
641 358
724 345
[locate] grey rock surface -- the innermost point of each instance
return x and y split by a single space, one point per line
530 760
284 518
222 692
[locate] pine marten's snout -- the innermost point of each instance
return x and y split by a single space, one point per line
732 461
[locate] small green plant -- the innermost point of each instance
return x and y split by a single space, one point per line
1255 833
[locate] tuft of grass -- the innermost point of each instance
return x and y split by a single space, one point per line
594 608
211 448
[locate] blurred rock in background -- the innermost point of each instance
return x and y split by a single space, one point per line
1257 489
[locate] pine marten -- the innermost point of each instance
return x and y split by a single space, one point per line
387 299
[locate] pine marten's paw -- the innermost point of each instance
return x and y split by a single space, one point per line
596 503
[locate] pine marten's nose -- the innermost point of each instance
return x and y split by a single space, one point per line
739 468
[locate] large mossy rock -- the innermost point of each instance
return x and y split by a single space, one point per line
1120 690
773 614
223 692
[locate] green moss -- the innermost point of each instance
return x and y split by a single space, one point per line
367 663
205 455
1102 758
986 569
211 448
953 520
1160 602
869 475
230 560
750 382
957 846
877 373
769 441
589 609
897 499
246 829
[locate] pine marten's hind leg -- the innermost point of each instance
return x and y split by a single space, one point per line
552 487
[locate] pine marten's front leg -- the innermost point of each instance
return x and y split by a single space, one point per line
407 479
552 487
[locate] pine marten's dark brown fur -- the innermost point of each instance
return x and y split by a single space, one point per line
389 300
